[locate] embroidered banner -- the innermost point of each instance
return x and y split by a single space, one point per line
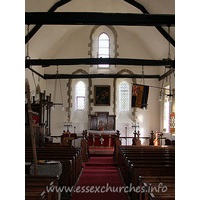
140 95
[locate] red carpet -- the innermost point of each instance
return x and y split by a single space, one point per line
102 149
99 152
98 180
101 161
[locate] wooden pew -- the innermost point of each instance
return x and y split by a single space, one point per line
77 153
74 153
145 158
145 152
36 187
63 150
125 166
34 195
134 168
149 182
67 176
135 161
40 187
70 159
68 149
148 170
161 197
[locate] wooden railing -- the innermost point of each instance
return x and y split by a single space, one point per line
117 143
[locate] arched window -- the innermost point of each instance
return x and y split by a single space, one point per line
166 113
80 96
103 48
124 96
103 43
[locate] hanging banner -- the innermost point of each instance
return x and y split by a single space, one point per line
140 95
172 123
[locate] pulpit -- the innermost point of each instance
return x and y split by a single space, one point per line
101 130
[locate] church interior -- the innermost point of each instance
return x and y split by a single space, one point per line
99 99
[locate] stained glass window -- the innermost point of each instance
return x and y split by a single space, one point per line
124 96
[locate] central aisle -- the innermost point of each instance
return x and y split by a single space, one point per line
100 180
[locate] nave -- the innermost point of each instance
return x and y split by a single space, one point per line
99 74
100 180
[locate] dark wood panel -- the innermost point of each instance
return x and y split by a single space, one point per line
102 120
92 122
111 122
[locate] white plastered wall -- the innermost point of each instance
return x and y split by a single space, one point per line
76 46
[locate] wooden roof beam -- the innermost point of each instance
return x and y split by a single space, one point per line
81 76
169 72
37 27
159 28
95 61
96 18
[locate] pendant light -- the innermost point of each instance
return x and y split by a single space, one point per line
160 98
170 95
54 94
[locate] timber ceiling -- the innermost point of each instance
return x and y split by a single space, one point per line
47 39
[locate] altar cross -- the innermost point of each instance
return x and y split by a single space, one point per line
101 123
135 126
102 140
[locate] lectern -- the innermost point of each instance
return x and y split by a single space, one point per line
67 138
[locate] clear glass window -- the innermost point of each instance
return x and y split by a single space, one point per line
124 96
166 117
80 96
104 48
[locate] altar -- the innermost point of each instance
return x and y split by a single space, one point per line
101 139
101 130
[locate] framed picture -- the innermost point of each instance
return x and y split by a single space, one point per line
102 95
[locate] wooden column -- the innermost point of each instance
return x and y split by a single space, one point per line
136 139
32 131
151 139
117 145
84 145
87 139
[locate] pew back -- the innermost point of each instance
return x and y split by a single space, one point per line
135 161
70 158
36 187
